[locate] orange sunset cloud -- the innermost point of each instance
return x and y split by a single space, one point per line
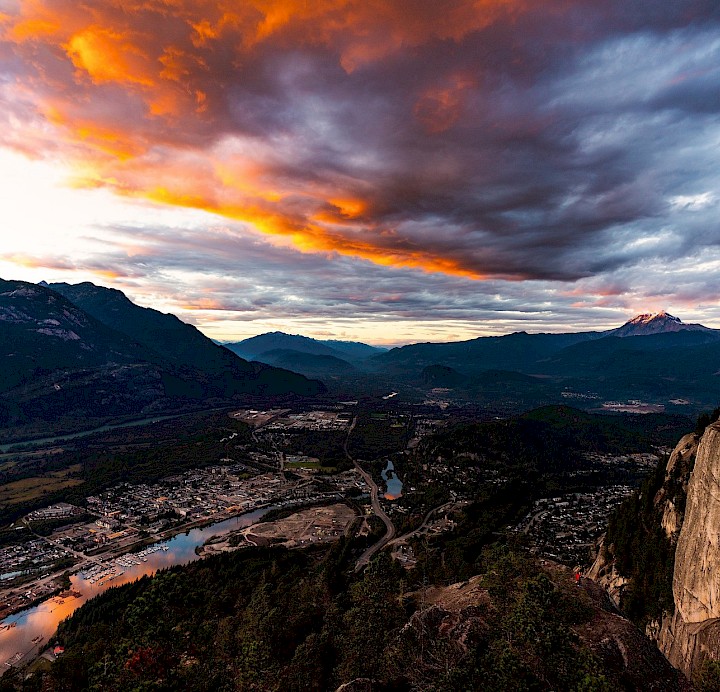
142 94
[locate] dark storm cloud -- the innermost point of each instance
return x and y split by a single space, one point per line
506 140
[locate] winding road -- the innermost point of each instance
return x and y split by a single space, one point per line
375 502
422 526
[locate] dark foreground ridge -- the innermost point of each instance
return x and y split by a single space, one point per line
295 621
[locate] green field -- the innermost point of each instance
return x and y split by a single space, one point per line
28 489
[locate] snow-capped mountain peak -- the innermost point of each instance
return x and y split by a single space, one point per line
654 323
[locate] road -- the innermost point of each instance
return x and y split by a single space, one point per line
422 526
532 519
377 509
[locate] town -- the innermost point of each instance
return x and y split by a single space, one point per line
566 528
57 540
124 517
96 537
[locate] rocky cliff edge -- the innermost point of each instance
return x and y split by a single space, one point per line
692 634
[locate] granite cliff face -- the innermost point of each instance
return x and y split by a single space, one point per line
692 634
668 510
604 572
671 498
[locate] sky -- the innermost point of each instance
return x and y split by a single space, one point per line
389 172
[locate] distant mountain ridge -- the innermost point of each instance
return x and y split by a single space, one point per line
520 350
653 357
255 346
312 357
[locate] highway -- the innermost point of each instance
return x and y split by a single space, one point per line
377 509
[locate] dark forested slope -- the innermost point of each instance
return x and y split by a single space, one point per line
66 367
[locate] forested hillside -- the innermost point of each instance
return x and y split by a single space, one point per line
277 620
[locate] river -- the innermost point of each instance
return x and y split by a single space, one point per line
42 620
42 441
393 485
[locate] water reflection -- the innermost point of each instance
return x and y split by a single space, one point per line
25 634
393 485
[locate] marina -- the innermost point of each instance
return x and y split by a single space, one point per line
100 574
23 634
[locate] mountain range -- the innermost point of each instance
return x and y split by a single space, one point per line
654 356
74 354
312 357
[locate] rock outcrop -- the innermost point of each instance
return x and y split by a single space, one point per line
692 634
456 619
604 572
671 497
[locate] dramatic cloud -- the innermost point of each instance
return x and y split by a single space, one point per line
564 152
